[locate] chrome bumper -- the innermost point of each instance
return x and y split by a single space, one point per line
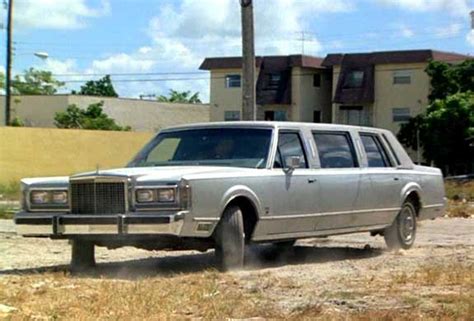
54 224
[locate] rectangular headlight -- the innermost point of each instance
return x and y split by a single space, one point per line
156 195
44 198
165 195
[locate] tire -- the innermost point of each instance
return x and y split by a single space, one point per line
82 256
402 233
230 240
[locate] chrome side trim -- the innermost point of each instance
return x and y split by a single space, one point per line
206 219
319 233
433 206
286 217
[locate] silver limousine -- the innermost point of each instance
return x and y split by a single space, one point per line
224 185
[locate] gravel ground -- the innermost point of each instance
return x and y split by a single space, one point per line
312 272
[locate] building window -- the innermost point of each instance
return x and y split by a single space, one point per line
230 115
232 81
401 114
273 81
401 77
354 79
316 116
317 80
279 115
354 115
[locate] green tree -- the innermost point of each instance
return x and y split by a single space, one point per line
446 129
185 97
91 118
102 87
33 82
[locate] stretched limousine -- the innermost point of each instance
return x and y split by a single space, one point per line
223 185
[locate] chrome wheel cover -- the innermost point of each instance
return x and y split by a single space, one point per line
407 225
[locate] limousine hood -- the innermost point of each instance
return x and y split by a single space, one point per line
149 174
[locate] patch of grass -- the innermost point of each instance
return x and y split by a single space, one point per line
209 295
457 191
437 275
459 209
7 211
10 191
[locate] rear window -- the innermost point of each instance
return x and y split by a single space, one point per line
335 150
376 154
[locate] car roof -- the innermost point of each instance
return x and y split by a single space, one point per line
273 124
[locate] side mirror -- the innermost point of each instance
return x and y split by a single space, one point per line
292 162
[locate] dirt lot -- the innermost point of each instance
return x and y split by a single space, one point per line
343 277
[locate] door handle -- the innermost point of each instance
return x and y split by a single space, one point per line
312 180
395 178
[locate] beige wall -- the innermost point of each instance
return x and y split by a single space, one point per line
141 115
33 152
389 95
225 99
306 98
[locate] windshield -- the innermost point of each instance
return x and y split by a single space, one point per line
236 147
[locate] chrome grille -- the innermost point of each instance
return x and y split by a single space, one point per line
98 197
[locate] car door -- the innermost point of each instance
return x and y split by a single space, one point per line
294 190
385 181
339 179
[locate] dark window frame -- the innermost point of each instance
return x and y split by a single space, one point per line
392 150
302 143
348 84
228 80
355 155
317 84
273 84
383 151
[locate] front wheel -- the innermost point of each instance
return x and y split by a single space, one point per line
230 240
401 234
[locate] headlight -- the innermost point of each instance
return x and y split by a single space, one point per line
159 195
39 197
145 196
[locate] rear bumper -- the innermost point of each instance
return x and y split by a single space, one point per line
54 224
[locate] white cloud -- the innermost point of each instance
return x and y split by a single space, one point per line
56 14
404 31
470 38
454 7
448 31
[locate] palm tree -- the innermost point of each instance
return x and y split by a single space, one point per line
175 96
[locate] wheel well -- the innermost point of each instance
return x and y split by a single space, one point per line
414 198
249 214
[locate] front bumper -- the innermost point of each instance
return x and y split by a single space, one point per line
55 224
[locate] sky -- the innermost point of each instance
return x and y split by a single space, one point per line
152 46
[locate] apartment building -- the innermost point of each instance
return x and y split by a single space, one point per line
289 88
380 89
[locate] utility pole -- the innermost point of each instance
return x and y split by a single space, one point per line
8 76
249 110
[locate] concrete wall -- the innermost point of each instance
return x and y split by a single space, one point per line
32 152
389 95
141 115
306 98
225 99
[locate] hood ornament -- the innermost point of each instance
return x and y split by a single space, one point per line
97 169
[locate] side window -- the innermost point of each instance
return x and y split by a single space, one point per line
289 145
335 150
376 155
395 156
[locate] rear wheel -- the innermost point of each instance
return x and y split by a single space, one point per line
401 234
230 240
82 256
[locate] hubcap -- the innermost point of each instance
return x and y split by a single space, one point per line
406 225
